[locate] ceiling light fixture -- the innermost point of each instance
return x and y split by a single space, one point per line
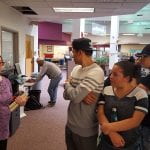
128 34
57 9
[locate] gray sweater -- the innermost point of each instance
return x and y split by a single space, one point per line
49 69
82 118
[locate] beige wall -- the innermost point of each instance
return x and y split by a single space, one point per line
58 51
126 48
11 19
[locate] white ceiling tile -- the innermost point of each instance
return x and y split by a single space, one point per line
43 11
136 6
58 0
104 10
84 1
33 1
111 1
102 7
137 1
14 3
37 4
124 11
59 4
84 4
98 5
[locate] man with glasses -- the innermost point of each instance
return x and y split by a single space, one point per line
144 61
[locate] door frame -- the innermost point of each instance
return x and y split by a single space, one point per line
15 43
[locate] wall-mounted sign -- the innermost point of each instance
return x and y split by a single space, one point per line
50 48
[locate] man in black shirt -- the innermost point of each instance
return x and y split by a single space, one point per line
144 58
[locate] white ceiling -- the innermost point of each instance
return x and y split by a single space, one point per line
102 8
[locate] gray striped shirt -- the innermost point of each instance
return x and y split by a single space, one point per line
82 118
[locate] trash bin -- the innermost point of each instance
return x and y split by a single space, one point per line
34 97
35 94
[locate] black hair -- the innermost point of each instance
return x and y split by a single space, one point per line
83 44
131 59
89 53
130 69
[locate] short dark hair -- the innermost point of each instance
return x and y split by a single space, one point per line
130 69
83 44
145 51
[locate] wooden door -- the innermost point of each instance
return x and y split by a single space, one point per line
29 55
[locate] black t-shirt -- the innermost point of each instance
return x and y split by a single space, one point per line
146 82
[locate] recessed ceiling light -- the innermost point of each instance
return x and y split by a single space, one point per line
130 21
57 9
128 34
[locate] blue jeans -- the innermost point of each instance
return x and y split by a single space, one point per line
53 86
146 138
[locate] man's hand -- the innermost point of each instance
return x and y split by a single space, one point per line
68 80
90 99
116 139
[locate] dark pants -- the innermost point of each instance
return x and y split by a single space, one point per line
3 144
76 142
103 145
146 138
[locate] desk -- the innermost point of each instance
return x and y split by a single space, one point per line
28 85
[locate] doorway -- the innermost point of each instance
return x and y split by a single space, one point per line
9 44
29 55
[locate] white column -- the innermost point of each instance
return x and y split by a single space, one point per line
78 28
113 53
22 113
34 33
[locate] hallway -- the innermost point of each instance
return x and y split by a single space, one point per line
43 129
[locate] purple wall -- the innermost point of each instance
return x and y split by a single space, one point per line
50 31
51 34
66 37
52 42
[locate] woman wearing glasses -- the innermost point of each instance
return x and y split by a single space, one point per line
6 98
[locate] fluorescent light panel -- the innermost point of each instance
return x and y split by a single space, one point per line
57 9
128 34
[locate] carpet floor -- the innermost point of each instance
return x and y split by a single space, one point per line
43 129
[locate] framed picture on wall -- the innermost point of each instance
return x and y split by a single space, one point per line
49 48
